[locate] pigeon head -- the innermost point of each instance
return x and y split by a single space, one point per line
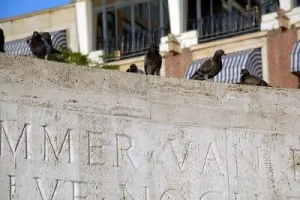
133 68
219 53
35 34
244 72
153 47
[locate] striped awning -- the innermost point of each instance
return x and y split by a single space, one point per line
233 63
20 47
295 58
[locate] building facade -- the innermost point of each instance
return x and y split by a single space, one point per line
260 35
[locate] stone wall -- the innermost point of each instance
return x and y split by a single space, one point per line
69 132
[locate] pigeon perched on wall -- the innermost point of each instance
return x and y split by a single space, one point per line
2 41
41 45
153 60
248 79
210 68
134 69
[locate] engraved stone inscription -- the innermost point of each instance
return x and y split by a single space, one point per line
296 163
210 159
125 193
185 168
4 135
124 144
77 188
181 159
171 193
48 144
216 195
95 152
128 195
42 192
252 161
12 187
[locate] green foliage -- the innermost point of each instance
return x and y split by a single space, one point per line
77 58
111 67
107 56
68 56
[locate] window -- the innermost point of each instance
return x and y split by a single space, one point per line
130 27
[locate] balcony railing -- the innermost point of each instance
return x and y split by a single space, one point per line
128 45
226 25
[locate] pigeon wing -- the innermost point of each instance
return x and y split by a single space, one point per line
158 64
252 80
46 37
206 67
264 83
159 60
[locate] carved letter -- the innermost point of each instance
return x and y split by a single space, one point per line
57 153
146 193
212 194
41 193
12 186
254 156
296 163
120 148
92 147
76 189
181 159
171 194
125 191
14 150
210 156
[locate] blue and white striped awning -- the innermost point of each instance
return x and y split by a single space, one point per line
295 58
233 63
20 47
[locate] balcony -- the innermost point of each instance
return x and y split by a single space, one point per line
128 45
226 25
231 23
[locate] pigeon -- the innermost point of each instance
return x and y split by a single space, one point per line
41 45
153 60
248 79
133 69
210 68
2 41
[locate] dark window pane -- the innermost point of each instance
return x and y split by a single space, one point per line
141 17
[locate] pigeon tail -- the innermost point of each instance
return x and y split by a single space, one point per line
198 76
55 51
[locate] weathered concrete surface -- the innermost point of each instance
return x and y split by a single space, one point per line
69 133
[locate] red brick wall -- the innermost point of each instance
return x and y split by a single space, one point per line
176 64
280 46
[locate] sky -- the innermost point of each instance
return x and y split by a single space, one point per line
11 8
